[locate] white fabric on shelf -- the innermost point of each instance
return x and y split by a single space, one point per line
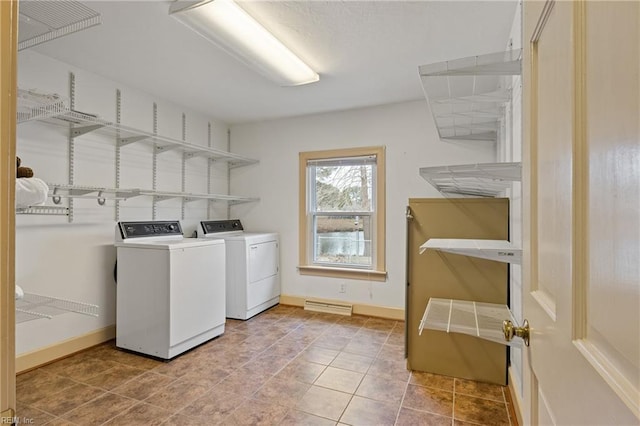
30 192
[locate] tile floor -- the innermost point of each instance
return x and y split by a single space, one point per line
285 366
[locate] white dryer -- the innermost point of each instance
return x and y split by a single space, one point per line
170 292
252 267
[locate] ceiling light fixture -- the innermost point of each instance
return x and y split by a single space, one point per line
227 25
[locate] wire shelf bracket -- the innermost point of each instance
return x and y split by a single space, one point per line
43 21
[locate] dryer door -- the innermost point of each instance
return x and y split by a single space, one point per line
263 260
262 265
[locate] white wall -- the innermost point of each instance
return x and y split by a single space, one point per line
411 140
76 260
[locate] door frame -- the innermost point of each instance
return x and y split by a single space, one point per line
8 90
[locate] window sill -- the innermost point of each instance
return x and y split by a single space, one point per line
355 274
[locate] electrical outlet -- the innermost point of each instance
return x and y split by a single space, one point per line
343 288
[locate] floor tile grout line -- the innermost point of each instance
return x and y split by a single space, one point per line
453 404
479 397
344 410
404 394
506 406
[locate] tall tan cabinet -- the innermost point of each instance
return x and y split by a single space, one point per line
436 274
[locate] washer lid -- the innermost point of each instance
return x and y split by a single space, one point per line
251 237
168 244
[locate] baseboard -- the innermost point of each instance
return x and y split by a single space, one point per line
358 308
515 398
330 308
30 360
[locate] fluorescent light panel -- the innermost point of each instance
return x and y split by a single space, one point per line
227 25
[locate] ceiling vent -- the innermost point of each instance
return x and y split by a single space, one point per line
42 21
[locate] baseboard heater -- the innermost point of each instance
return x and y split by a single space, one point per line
330 308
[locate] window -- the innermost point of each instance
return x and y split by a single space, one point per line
342 215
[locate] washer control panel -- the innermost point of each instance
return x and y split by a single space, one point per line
149 229
216 226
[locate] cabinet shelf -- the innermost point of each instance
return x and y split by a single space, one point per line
474 180
34 306
466 96
32 107
482 320
499 250
45 21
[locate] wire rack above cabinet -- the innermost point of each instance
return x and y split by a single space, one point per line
473 180
467 95
42 21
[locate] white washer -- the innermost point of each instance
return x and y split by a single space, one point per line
253 267
170 292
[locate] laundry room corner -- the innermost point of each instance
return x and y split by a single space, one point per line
68 253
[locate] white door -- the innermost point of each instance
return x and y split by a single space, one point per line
581 212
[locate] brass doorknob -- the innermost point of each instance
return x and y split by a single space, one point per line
510 330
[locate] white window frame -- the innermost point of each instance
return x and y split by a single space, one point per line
377 270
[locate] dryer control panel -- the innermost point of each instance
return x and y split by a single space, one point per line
217 226
149 229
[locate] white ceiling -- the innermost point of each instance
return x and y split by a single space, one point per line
366 52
